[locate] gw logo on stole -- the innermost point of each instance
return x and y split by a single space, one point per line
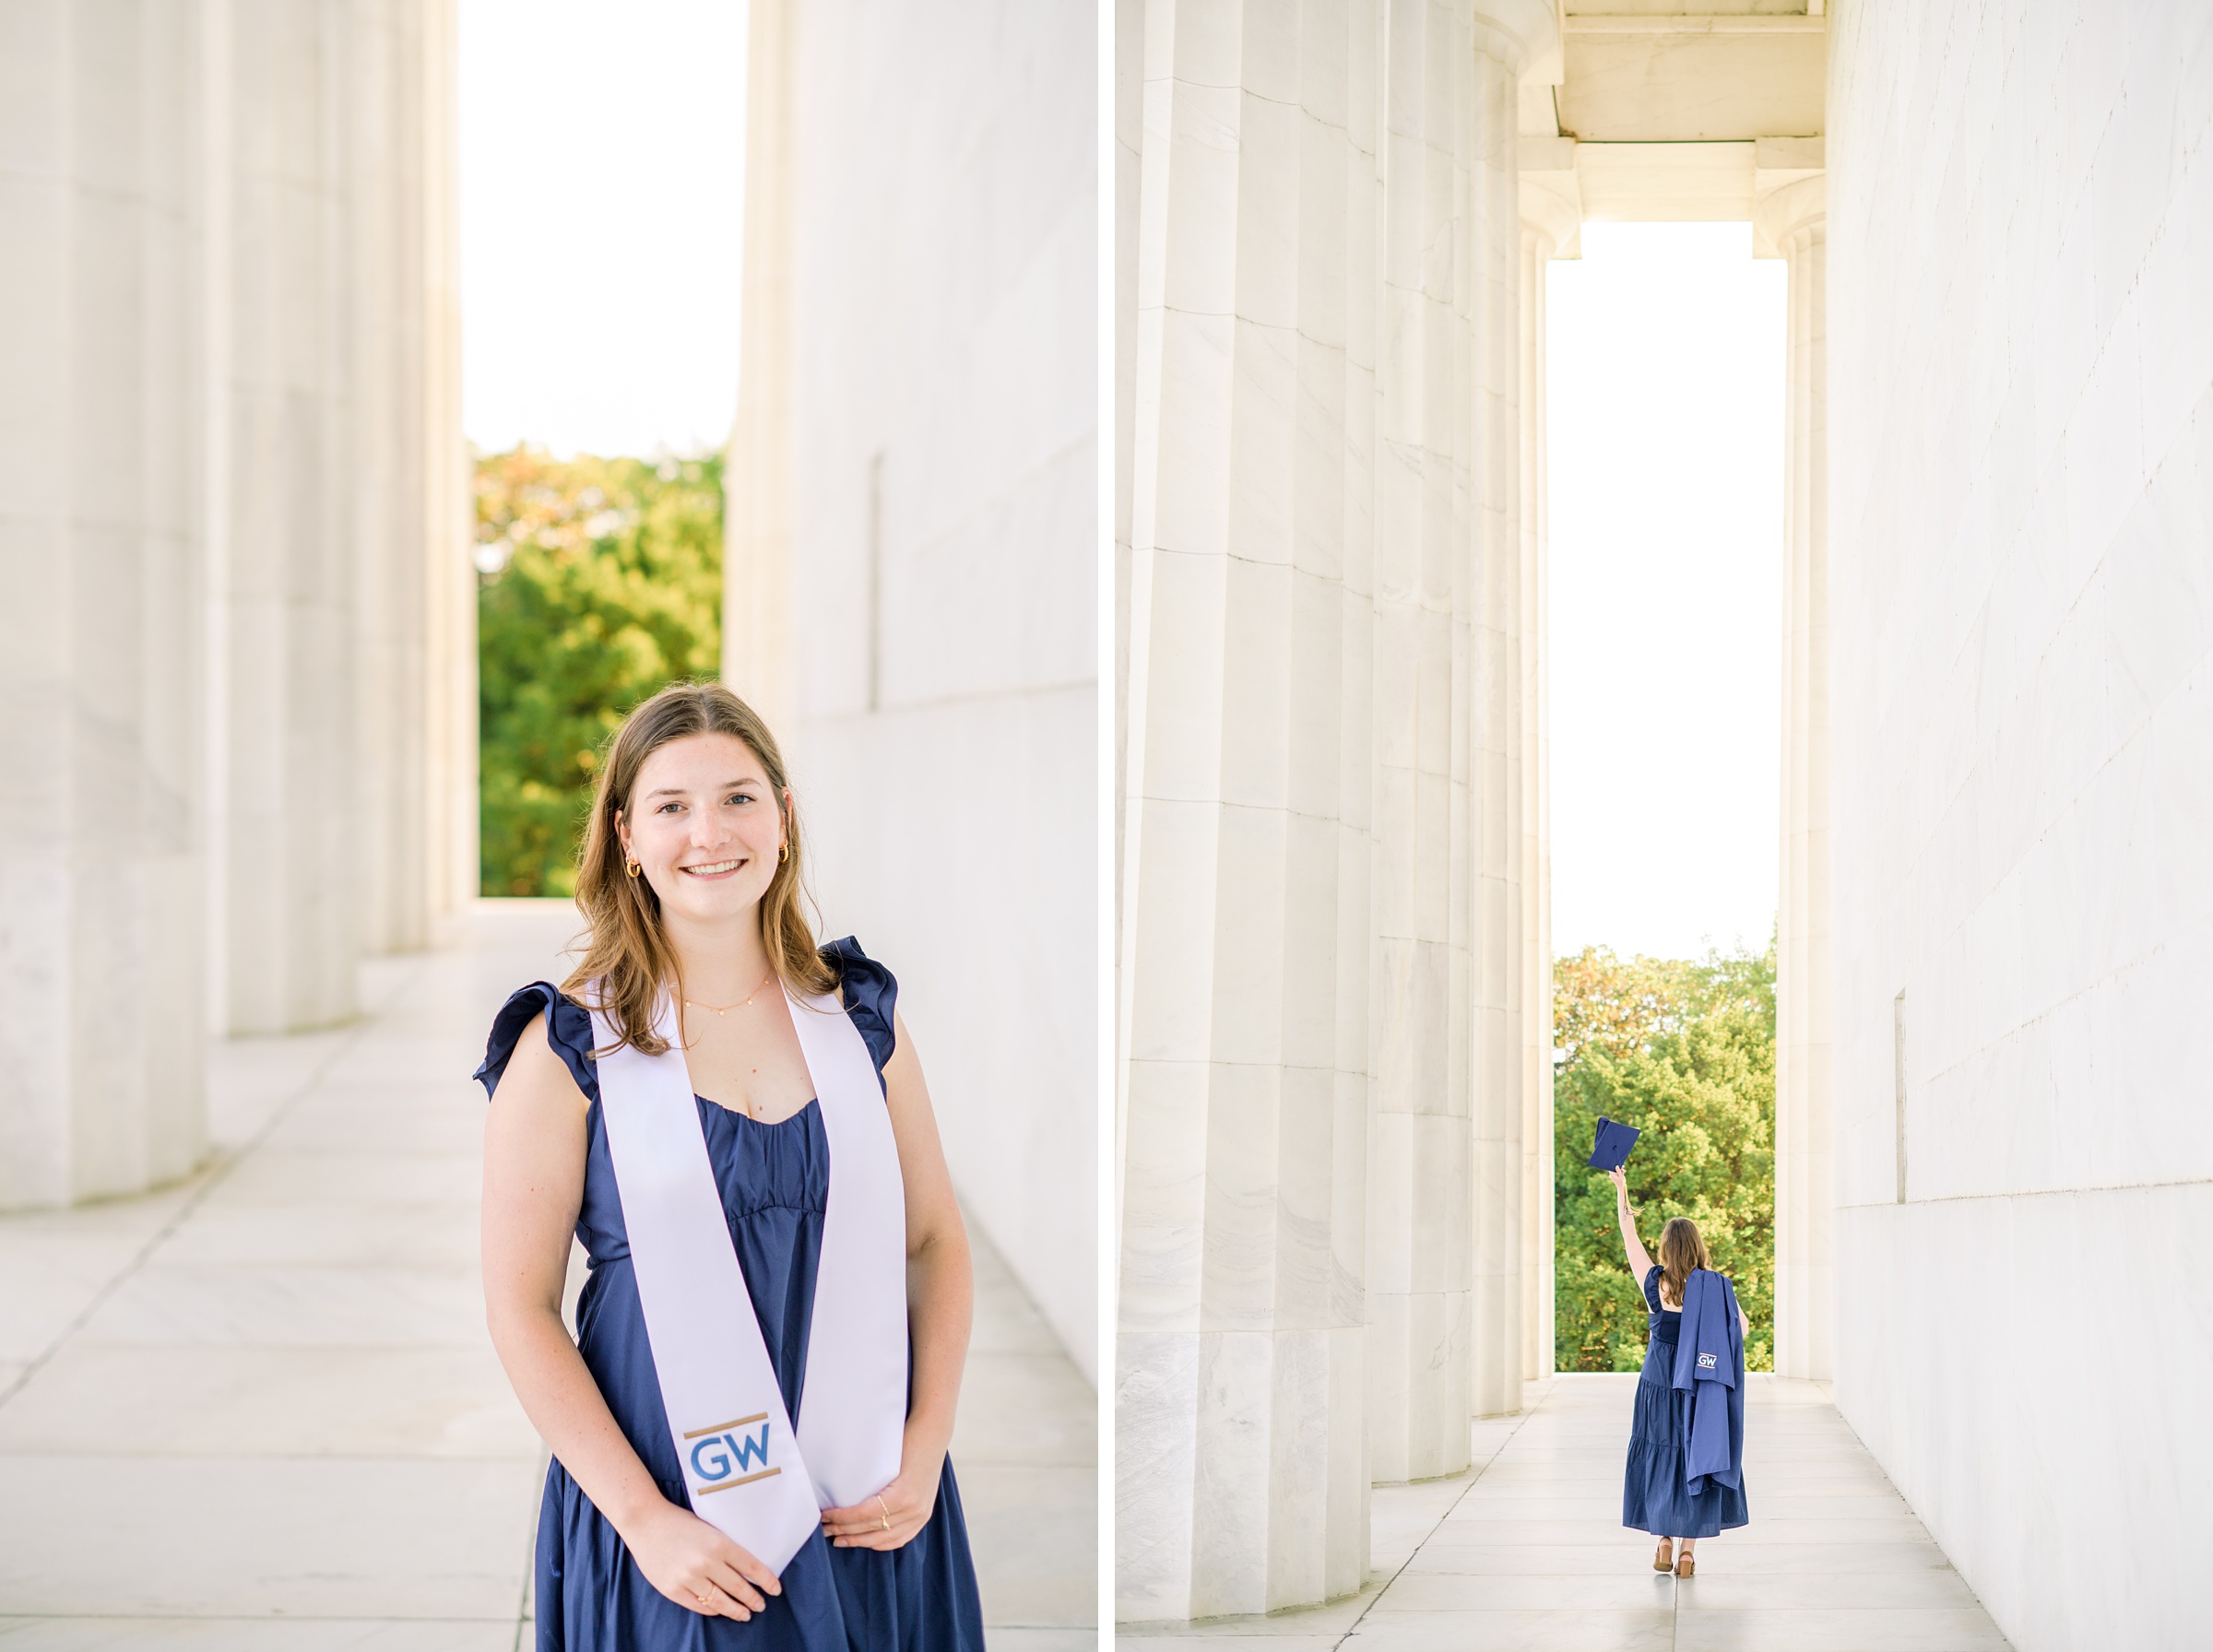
720 1456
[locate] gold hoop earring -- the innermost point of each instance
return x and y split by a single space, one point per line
631 865
783 853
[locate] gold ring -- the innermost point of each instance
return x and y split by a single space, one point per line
887 1511
704 1600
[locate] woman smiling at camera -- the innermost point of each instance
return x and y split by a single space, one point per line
749 1430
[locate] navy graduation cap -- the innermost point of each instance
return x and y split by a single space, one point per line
1612 1149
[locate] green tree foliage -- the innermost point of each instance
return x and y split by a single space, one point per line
1684 1050
601 584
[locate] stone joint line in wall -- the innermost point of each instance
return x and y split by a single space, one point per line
1961 1198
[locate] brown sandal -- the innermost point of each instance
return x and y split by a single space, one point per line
1663 1558
1687 1565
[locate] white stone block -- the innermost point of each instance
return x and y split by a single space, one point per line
1173 1001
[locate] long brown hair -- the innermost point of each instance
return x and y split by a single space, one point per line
1682 1248
627 953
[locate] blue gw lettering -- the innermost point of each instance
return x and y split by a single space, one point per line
747 1448
717 1467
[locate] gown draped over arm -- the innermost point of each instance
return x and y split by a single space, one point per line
1656 1495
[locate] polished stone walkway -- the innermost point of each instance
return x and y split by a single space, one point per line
257 1412
1526 1551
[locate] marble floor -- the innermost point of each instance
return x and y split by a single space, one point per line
1526 1551
257 1412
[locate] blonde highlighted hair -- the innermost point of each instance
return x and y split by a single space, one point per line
1682 1249
626 954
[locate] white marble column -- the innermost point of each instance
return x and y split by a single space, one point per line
1239 1387
101 940
1791 223
286 542
1446 1042
454 855
756 581
406 547
1550 228
1502 989
341 603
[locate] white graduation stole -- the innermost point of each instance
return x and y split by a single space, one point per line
747 1473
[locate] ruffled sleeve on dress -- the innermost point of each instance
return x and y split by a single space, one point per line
568 1029
1651 1288
871 997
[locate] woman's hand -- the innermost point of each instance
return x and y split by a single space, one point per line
696 1566
1620 1178
892 1517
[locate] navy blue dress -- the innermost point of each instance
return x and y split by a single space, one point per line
1652 1495
775 1182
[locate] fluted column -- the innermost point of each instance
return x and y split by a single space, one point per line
408 544
286 543
1790 224
1550 226
100 1067
1501 987
1446 1042
454 858
756 584
1239 1389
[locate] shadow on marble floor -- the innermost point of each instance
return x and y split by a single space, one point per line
256 1412
1526 1553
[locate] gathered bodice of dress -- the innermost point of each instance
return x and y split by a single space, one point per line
774 1185
1665 1324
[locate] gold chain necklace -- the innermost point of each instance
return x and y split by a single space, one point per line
741 1003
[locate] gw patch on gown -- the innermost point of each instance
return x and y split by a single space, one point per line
1653 1495
775 1181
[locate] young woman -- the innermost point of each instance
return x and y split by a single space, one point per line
1656 1493
701 989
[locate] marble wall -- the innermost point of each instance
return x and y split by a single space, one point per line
914 530
1324 1070
2022 622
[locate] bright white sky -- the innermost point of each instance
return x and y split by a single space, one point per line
601 174
1665 359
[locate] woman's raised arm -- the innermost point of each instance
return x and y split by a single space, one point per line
1632 1247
